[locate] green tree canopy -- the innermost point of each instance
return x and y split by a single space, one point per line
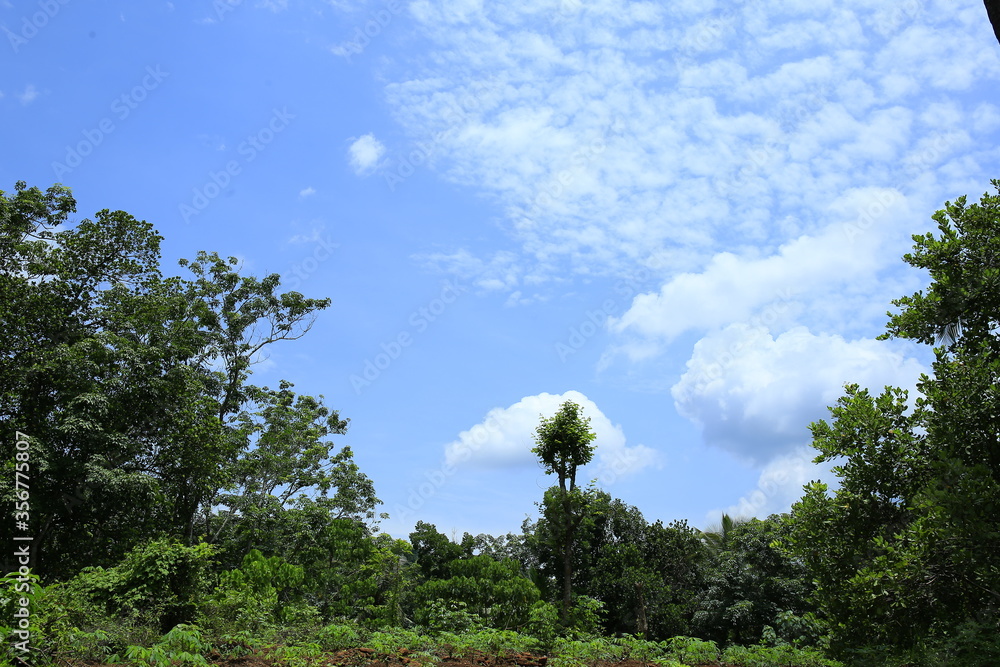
905 549
133 387
563 443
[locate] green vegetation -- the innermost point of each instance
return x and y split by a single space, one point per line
187 515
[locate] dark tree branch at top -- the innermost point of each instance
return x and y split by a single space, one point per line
993 11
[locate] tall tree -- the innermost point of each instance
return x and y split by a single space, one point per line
906 548
563 444
129 385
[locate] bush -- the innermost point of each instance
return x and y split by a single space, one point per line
250 598
338 637
690 650
776 656
183 645
442 616
160 583
543 623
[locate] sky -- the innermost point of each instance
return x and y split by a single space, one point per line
687 217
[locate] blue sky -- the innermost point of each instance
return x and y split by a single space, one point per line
688 217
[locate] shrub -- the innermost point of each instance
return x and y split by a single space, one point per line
690 650
776 656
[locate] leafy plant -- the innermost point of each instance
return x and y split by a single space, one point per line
691 650
337 637
776 656
454 616
183 645
297 656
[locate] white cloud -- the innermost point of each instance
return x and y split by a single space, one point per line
314 236
29 95
501 271
814 275
506 436
365 153
755 395
778 486
306 192
617 132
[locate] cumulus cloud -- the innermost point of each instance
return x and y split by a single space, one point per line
778 486
506 436
732 287
307 192
365 153
755 394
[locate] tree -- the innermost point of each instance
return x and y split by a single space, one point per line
751 583
130 385
434 552
717 538
563 445
495 591
905 551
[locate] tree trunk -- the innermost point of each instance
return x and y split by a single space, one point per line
567 556
640 613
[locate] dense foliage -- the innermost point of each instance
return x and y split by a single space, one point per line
180 509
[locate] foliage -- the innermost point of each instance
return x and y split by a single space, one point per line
752 583
257 595
776 656
162 582
338 636
904 551
691 650
451 617
434 552
183 645
297 656
563 443
646 574
543 623
93 331
491 590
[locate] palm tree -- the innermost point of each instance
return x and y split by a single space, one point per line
717 537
